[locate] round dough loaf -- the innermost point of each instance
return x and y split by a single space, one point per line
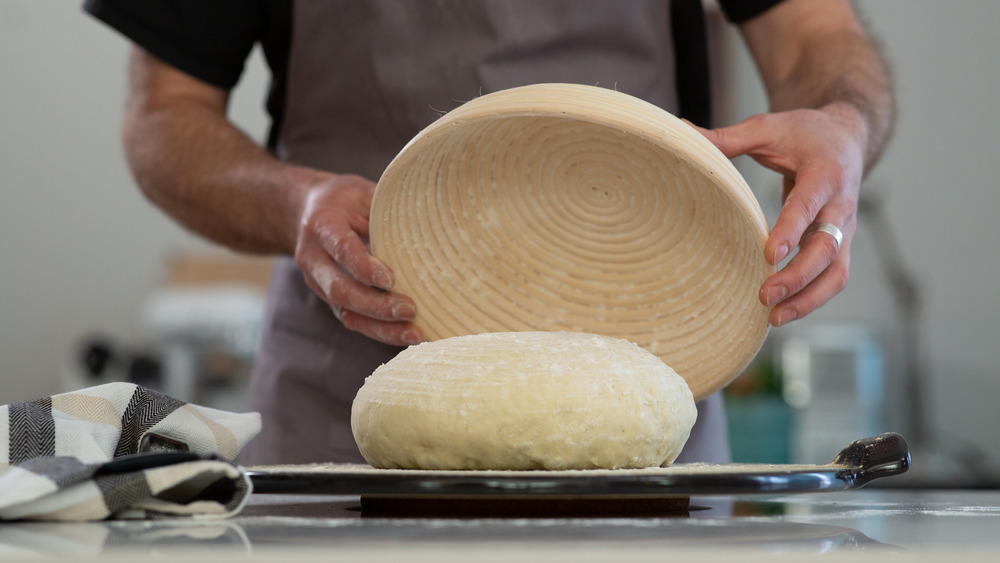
523 400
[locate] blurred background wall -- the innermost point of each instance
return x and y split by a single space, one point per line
82 253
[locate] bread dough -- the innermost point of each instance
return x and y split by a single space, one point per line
523 400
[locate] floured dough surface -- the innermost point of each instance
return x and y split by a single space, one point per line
523 400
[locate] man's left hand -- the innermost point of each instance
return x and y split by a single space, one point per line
820 154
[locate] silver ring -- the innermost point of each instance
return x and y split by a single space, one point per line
336 312
828 228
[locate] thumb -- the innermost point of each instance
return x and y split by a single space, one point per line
734 140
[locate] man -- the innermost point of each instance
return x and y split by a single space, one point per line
354 80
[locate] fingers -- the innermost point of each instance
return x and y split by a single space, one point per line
755 137
819 193
827 283
735 140
335 218
337 287
380 315
351 253
820 157
397 334
817 186
812 277
337 265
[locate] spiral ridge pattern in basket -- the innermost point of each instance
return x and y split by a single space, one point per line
575 208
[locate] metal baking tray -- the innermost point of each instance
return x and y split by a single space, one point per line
857 464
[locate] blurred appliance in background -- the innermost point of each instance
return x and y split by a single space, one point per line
909 304
206 339
758 418
833 376
205 324
937 462
815 386
100 358
200 331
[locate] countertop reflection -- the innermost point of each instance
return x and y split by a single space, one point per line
871 522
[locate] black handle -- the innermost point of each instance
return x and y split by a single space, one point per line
878 456
139 461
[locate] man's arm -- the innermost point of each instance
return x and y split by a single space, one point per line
826 58
832 114
197 166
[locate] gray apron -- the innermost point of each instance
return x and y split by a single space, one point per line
365 76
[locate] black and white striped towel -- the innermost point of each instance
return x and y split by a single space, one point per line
121 451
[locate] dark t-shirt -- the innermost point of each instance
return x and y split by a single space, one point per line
211 40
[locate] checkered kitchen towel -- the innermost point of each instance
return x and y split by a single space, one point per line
121 451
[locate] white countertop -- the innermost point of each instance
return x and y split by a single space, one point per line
911 525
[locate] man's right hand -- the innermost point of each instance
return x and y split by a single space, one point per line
191 161
332 253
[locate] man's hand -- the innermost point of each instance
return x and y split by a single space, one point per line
334 258
832 111
819 154
198 167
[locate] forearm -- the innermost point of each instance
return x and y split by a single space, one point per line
204 172
834 64
832 115
194 164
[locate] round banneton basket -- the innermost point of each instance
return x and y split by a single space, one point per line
578 208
